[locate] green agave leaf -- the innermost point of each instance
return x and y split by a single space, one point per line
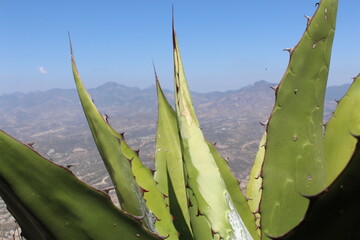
201 225
254 186
204 178
235 192
339 144
169 163
294 147
134 184
334 214
185 231
49 202
153 197
118 166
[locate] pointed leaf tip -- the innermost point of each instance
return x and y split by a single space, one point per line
71 49
173 31
155 73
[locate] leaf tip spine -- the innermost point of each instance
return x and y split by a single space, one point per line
264 123
357 76
273 87
173 29
71 48
30 145
308 18
290 50
70 165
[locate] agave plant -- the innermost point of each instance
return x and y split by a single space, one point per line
304 183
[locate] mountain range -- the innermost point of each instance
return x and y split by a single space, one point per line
54 121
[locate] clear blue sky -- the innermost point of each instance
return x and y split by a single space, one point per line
225 44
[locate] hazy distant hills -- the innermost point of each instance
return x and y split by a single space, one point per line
336 92
55 122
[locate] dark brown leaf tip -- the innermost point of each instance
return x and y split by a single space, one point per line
71 48
173 28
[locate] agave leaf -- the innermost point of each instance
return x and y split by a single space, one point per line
135 187
153 197
338 143
254 186
119 168
185 231
235 192
169 163
201 225
49 202
204 178
334 213
294 147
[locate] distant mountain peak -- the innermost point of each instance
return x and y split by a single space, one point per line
114 85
